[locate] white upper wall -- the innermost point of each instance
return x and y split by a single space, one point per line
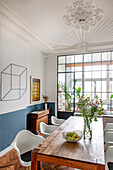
15 49
51 79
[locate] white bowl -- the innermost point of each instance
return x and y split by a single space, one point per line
71 136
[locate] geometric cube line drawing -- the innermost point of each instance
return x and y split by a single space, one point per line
13 82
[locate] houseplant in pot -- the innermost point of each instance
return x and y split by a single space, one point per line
90 110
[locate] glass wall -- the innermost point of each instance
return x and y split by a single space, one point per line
92 72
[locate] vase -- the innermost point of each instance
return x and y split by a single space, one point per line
87 127
45 106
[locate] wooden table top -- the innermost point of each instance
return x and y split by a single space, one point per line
86 150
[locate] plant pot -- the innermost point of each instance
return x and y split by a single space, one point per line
87 127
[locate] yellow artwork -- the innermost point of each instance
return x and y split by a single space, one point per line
35 89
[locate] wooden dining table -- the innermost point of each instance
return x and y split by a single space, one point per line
86 154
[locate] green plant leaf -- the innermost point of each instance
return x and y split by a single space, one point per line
111 96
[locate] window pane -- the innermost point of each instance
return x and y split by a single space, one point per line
78 68
78 75
70 59
96 74
104 86
70 67
78 58
96 57
69 102
104 96
110 74
61 101
87 86
104 67
87 75
61 81
106 56
61 68
111 66
69 81
79 84
96 67
61 60
111 87
96 86
87 68
105 107
87 58
104 74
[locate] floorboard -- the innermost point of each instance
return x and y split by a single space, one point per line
10 161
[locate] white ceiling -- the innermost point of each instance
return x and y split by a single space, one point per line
45 17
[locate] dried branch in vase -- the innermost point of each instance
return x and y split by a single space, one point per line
45 98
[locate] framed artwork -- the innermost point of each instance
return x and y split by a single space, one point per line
35 89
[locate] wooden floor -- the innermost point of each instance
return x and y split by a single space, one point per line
47 166
10 161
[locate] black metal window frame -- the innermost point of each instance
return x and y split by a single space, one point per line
83 72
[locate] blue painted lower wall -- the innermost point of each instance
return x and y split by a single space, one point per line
11 123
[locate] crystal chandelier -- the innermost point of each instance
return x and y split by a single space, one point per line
81 15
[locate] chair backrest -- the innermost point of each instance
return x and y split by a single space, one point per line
53 120
46 130
56 121
26 141
43 127
108 136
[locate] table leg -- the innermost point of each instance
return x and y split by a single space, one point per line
35 165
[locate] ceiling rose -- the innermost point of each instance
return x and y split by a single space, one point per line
82 15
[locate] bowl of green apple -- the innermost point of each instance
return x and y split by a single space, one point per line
72 136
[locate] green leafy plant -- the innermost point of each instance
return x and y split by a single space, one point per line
90 110
111 96
68 97
77 90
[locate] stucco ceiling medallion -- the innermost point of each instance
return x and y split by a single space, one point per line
81 15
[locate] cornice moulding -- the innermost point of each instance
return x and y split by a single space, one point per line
91 49
12 21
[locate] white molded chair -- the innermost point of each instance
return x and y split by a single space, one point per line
108 139
108 127
56 121
46 130
109 157
24 142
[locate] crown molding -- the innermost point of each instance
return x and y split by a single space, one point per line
12 21
94 47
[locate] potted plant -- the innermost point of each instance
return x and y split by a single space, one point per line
89 109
